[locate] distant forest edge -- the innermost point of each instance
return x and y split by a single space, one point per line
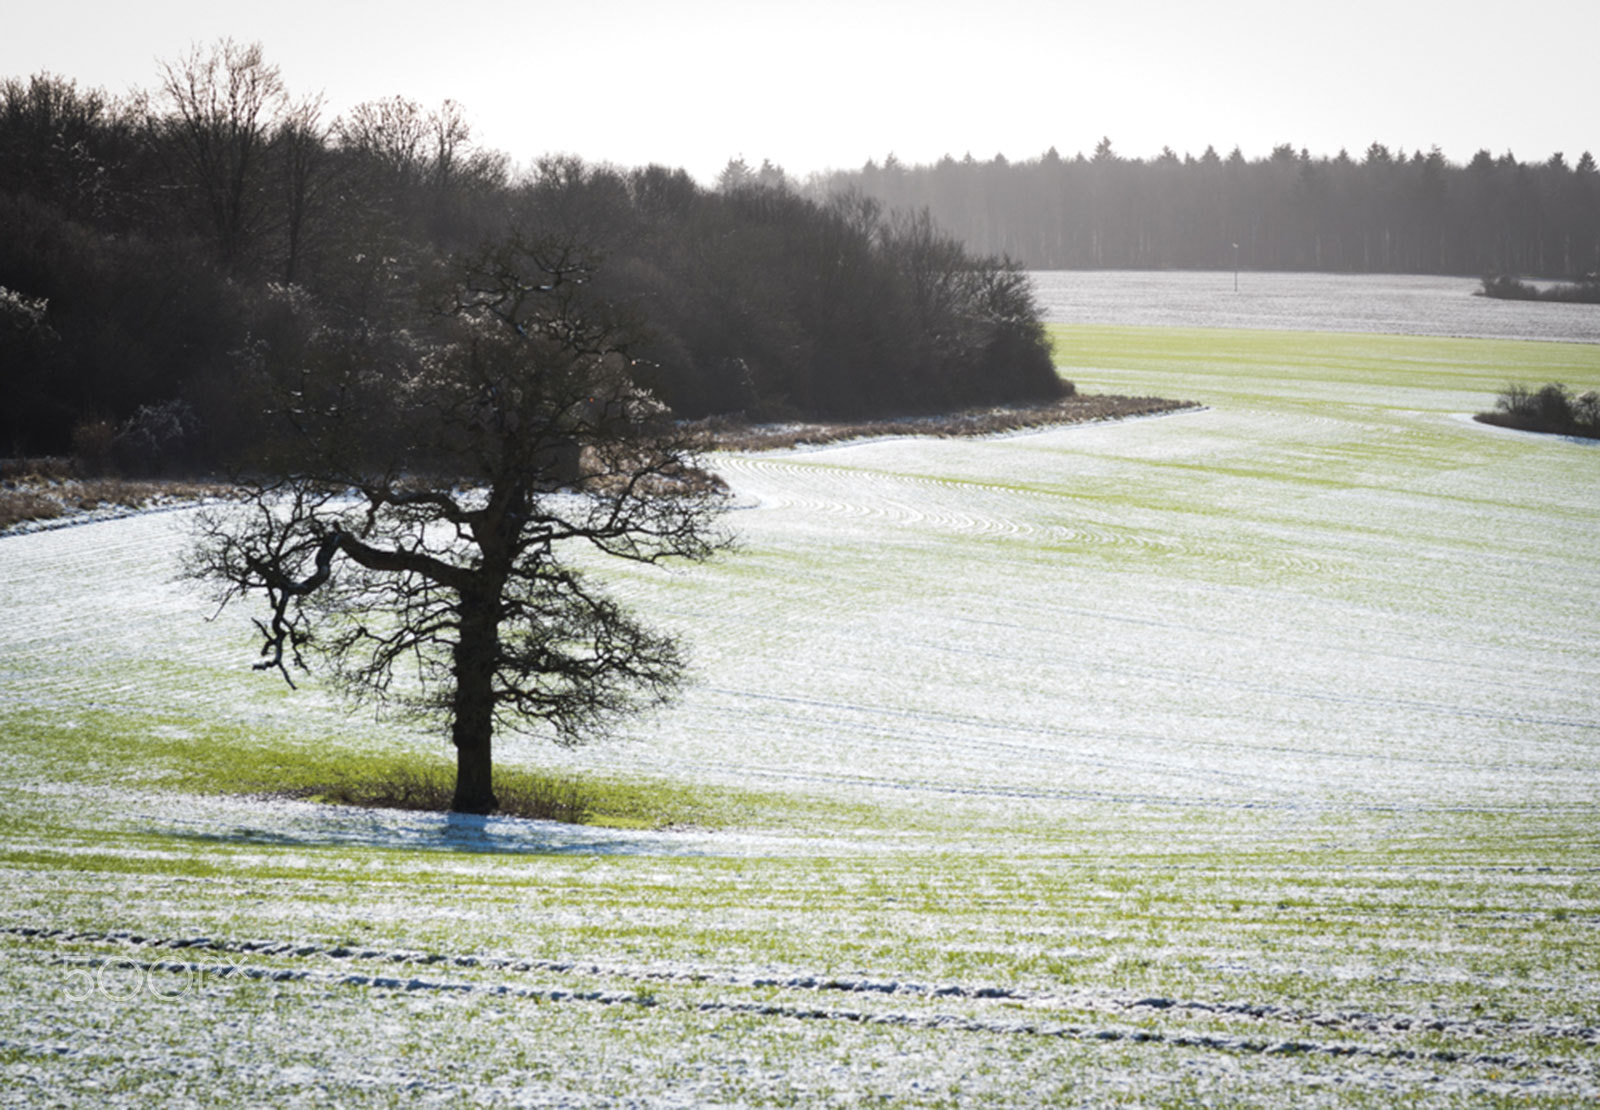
153 248
1384 212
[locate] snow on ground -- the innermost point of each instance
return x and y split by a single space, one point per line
1390 304
1245 754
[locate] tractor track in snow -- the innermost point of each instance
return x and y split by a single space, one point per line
1272 1029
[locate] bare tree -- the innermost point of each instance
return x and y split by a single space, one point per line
305 175
421 527
450 133
392 135
419 168
224 103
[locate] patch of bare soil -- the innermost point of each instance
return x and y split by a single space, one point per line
728 434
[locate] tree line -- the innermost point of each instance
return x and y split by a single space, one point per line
1384 212
155 246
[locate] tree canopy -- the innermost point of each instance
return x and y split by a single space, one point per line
157 236
425 499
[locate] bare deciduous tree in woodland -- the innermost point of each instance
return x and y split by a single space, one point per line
423 518
224 104
304 177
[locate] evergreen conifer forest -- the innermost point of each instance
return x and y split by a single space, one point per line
1377 211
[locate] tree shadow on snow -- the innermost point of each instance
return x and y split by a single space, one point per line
307 825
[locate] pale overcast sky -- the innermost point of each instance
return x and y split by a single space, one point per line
817 84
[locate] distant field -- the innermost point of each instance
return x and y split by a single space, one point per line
1244 754
1377 304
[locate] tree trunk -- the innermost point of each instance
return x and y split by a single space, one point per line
475 654
474 779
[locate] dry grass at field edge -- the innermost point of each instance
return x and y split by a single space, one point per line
47 489
34 490
731 434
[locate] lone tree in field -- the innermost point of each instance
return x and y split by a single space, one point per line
430 493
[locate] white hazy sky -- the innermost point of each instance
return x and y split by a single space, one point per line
818 84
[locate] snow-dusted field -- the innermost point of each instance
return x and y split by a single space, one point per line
1405 304
1247 754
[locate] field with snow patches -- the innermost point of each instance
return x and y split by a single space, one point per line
1246 755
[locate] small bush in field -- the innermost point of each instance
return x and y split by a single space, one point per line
1550 408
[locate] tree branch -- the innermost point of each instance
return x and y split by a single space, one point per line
281 590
